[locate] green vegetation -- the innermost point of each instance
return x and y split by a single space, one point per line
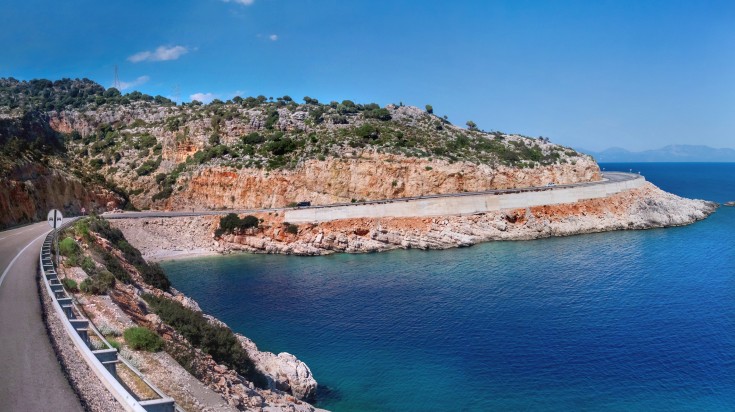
115 344
286 135
217 341
148 167
291 228
71 250
70 285
140 338
42 94
152 273
232 223
98 284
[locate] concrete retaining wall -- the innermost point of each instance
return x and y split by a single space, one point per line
464 204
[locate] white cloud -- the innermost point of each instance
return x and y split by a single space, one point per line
273 37
202 97
243 2
135 83
162 53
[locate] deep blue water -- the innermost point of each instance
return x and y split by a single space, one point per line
630 320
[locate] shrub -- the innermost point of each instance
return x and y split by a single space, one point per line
231 222
271 118
165 193
217 341
380 114
148 167
292 229
253 138
367 131
282 146
70 285
98 284
68 247
88 266
143 339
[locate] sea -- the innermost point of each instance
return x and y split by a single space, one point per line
638 320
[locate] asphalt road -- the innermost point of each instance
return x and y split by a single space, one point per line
608 177
31 375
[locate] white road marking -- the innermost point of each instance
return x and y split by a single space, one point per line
10 265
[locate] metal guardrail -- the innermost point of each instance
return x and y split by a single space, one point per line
104 361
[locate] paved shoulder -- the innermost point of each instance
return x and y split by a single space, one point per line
32 378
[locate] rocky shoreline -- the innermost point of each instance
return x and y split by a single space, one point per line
643 208
189 374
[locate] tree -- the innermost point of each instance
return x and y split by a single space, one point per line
429 109
471 125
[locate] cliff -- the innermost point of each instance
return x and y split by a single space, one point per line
369 176
30 189
203 364
256 152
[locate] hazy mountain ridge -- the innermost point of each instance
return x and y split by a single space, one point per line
670 153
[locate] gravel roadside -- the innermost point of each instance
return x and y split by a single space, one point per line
93 396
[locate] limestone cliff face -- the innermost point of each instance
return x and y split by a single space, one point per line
370 176
413 154
31 189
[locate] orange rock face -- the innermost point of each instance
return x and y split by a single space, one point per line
369 177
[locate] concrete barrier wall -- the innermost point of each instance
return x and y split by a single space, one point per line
464 204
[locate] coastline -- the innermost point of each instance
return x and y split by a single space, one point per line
641 208
180 255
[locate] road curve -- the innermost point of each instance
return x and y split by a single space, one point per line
32 377
607 177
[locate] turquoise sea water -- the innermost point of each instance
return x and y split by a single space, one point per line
630 320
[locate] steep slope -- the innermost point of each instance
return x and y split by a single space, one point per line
258 152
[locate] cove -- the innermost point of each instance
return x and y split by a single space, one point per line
629 320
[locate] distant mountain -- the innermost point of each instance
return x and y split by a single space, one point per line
671 153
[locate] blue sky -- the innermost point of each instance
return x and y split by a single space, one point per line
590 74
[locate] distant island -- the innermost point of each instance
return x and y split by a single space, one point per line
671 153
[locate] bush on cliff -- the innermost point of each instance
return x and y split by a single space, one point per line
98 284
217 341
232 222
71 250
140 338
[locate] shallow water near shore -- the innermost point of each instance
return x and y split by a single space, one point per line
629 320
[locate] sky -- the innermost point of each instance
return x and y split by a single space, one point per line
588 74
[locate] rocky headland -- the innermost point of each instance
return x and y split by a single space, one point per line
643 208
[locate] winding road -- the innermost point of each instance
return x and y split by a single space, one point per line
32 379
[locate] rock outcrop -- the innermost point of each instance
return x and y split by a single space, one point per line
643 208
31 189
371 176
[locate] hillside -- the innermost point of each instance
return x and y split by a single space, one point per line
262 152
